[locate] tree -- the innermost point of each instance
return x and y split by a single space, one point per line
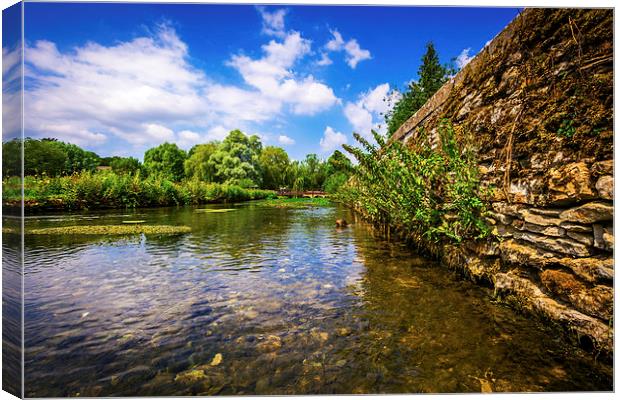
273 163
12 158
199 164
431 76
338 170
46 156
165 160
78 159
125 165
236 160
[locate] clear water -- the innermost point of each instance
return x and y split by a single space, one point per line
286 302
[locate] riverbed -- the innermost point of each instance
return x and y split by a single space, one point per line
267 300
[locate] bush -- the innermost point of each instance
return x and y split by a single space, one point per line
424 191
106 189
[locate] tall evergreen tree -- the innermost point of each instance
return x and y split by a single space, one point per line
431 76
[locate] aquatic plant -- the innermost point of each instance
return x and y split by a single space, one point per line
111 230
299 202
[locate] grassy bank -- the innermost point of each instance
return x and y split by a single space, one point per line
109 190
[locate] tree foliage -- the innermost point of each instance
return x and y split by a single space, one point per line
274 163
46 157
125 165
238 160
199 164
166 160
431 76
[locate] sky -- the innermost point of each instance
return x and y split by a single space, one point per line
118 79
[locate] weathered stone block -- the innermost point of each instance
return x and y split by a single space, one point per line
603 168
608 237
544 230
559 245
504 231
596 301
590 269
503 218
539 219
598 236
507 209
589 213
548 212
573 227
570 182
533 299
586 239
605 187
483 247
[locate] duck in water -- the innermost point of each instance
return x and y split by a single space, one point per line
341 223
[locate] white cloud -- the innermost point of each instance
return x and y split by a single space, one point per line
144 90
367 113
273 23
376 100
11 92
285 140
336 43
331 140
186 139
325 60
464 58
94 91
354 53
275 82
217 133
359 118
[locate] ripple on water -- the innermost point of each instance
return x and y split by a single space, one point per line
291 304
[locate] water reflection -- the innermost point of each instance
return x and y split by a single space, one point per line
265 300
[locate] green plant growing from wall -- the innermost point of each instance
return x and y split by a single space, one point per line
566 128
432 192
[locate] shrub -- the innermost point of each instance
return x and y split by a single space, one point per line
424 191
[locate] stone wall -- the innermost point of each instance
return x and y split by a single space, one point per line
537 102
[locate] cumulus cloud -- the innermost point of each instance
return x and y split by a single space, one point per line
336 43
94 91
273 23
354 53
145 91
325 60
275 82
285 140
331 140
11 92
368 111
464 58
359 118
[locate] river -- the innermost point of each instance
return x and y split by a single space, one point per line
265 300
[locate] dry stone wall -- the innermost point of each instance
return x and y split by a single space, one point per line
537 103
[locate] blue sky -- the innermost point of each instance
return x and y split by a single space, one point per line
120 78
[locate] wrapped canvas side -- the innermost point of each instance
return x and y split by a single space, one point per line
12 209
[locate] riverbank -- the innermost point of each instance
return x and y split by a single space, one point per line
103 190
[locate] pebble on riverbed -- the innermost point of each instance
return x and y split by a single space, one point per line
269 344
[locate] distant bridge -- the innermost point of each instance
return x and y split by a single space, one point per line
297 193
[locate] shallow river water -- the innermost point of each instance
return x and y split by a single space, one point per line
264 300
